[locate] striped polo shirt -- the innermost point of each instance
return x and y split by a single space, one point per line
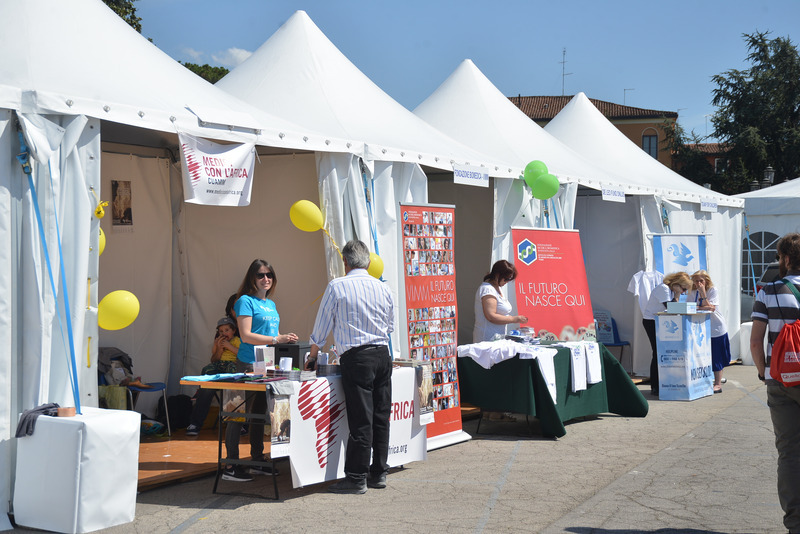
358 308
776 305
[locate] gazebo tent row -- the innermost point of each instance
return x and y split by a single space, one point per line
299 73
661 202
468 107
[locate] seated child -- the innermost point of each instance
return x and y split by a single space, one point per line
223 360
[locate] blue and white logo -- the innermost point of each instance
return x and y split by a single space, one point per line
405 216
526 251
682 255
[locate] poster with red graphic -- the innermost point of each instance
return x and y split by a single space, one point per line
431 307
319 429
551 287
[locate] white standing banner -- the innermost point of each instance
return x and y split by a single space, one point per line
319 427
214 174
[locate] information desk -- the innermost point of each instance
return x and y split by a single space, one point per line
683 343
517 386
318 423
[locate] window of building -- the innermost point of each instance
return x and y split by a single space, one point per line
757 253
720 165
650 145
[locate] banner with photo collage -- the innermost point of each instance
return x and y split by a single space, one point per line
432 313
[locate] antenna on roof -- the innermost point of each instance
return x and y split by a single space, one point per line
563 65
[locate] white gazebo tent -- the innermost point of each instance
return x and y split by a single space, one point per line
300 74
770 213
98 103
618 237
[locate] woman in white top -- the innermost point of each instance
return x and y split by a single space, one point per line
492 309
707 298
673 286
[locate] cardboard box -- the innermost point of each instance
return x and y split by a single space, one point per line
681 307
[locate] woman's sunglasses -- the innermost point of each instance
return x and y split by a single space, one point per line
262 275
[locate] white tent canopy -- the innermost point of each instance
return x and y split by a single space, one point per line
106 70
665 202
582 127
298 72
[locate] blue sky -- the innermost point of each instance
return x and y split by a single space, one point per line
655 55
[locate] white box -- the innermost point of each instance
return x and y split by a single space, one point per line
78 474
681 307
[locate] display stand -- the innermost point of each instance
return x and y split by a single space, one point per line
683 344
78 474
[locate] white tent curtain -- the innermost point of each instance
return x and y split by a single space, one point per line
34 351
344 206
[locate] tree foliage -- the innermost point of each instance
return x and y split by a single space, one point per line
126 10
758 115
207 72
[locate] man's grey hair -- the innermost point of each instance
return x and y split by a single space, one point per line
356 254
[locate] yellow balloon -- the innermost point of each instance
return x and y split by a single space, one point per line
375 265
102 241
306 216
117 310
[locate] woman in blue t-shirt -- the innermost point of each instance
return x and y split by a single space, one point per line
258 321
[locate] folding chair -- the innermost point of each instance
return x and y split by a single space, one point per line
154 387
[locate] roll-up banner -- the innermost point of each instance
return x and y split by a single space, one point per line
431 308
551 287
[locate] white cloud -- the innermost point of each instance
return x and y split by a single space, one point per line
231 57
192 53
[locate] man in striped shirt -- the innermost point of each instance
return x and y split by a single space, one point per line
360 311
774 307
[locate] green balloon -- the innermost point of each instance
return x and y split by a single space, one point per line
545 186
533 170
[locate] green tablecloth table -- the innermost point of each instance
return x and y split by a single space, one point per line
517 386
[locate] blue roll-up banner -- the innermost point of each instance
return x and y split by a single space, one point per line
676 252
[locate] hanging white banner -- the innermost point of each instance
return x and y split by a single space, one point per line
214 174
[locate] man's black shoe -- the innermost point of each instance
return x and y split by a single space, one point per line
378 482
348 486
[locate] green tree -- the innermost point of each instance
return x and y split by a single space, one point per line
207 72
758 113
126 10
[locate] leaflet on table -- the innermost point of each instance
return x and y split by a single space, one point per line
432 313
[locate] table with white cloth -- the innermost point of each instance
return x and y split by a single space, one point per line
319 429
516 383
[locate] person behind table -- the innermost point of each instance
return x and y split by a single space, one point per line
707 298
774 307
360 310
258 321
671 288
223 360
492 308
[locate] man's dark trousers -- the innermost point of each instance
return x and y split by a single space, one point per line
367 385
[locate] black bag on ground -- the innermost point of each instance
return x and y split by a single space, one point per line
180 411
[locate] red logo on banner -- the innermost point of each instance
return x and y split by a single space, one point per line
551 286
192 165
316 402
